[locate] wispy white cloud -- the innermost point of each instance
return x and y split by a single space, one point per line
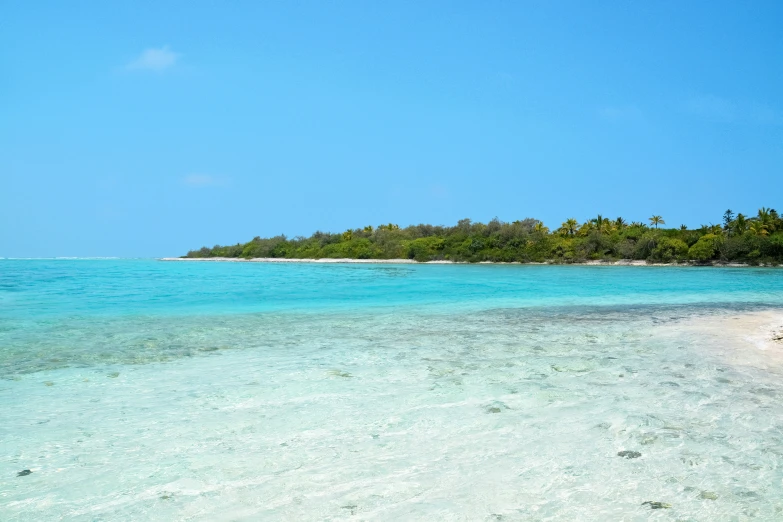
505 80
722 110
153 59
439 191
620 113
763 114
713 108
202 180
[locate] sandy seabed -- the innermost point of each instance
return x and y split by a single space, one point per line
514 418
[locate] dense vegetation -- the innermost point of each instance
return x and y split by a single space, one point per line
754 240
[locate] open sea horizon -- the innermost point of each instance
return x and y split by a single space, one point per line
135 389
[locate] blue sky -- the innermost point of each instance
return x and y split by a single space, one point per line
149 128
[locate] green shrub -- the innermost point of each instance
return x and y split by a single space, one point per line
772 246
426 248
703 249
669 249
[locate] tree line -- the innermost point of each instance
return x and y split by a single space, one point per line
756 239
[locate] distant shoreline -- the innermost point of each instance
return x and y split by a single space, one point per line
621 262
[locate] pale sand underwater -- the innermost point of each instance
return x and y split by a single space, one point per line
482 429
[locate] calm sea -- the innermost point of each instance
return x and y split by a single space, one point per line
148 390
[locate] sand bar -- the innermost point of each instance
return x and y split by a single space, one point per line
621 262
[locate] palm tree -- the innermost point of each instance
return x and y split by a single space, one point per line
684 228
539 227
767 218
368 229
763 215
602 224
637 224
757 228
585 228
568 227
348 235
739 225
620 223
777 223
657 220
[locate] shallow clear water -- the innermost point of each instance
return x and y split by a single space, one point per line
138 390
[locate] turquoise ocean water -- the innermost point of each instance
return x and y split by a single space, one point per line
148 390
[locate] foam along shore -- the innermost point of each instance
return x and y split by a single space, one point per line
621 262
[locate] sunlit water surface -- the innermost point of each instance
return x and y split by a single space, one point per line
144 390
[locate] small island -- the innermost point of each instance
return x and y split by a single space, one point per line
752 240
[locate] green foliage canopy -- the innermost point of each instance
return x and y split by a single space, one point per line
757 239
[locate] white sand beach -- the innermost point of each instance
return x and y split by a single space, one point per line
324 260
749 339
